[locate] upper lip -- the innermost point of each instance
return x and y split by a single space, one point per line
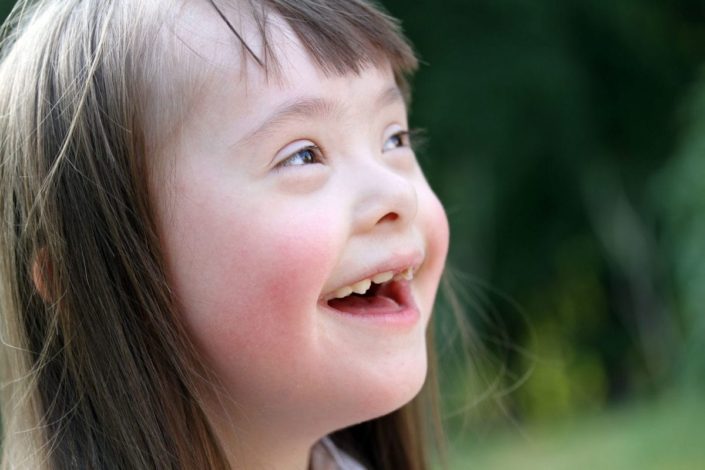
395 264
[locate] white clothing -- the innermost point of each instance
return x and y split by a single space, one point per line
325 455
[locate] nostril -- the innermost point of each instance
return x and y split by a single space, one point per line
390 217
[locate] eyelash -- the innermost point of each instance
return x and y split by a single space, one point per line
404 140
312 154
311 151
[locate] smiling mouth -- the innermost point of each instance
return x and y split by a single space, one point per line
380 299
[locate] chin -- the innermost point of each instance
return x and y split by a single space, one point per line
388 390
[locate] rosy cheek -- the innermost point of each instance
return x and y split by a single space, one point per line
266 278
437 241
439 235
288 266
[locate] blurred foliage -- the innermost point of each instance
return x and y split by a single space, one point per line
679 193
573 180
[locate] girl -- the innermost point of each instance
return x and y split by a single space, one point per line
218 249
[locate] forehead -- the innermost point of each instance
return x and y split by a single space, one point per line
219 65
207 37
340 35
246 45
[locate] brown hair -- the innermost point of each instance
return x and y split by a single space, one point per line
97 370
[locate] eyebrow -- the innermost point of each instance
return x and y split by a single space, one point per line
315 108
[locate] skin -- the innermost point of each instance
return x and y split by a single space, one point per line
256 233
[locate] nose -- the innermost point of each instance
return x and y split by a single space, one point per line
385 197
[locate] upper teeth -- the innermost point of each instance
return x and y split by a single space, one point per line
361 287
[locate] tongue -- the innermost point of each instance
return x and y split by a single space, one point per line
357 305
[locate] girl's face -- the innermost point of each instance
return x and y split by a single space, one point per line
275 197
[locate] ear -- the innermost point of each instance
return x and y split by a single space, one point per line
42 274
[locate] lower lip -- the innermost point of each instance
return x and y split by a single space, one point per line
406 314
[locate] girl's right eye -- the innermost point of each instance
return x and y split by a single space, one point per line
305 156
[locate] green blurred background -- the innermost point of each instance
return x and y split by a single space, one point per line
567 142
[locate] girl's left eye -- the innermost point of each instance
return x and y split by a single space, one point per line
305 156
397 140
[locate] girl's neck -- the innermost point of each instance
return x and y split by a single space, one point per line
272 448
266 455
